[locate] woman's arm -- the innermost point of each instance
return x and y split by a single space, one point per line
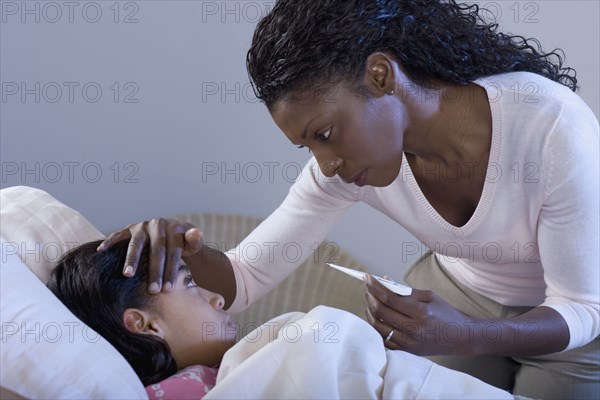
425 324
568 229
262 260
212 270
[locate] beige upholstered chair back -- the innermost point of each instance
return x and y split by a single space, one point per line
312 284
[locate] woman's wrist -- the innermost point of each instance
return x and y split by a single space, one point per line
212 270
539 331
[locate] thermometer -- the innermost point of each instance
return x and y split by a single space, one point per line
393 286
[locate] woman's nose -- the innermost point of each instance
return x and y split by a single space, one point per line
217 301
330 166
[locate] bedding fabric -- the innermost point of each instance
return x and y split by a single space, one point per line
330 353
46 352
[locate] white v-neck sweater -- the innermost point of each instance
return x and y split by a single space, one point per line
532 240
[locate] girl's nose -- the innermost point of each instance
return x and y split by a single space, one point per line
214 299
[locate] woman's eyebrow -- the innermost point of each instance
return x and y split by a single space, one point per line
304 132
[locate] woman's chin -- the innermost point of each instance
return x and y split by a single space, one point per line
381 181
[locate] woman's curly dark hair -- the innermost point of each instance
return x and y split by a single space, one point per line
314 44
91 284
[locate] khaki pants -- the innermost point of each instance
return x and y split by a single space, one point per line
574 374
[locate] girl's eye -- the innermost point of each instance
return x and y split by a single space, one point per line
189 281
301 147
323 136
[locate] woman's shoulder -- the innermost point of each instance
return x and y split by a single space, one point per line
527 99
527 90
543 123
527 82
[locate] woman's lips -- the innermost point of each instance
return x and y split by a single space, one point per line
361 179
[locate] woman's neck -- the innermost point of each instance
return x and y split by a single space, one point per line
448 123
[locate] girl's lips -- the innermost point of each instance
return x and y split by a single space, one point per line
361 179
231 325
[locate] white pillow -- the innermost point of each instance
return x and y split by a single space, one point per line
40 228
46 351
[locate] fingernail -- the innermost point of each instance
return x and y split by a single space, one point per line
101 247
153 287
128 271
168 286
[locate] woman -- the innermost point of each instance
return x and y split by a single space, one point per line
473 141
157 335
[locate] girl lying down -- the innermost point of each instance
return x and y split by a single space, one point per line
325 353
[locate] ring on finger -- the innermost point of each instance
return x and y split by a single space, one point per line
389 336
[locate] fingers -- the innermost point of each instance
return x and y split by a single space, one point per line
384 329
384 319
391 344
169 240
174 248
158 242
134 253
407 315
113 238
381 316
387 310
193 241
410 304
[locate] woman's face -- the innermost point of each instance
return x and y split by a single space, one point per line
193 322
360 140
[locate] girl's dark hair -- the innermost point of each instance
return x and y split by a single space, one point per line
91 284
315 44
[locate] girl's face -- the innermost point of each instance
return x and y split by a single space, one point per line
192 322
360 140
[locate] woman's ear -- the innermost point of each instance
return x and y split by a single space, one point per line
380 75
138 321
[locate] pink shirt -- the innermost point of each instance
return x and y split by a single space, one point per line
193 382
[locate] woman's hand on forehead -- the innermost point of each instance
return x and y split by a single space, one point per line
169 240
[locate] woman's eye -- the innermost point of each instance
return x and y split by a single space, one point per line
323 136
189 281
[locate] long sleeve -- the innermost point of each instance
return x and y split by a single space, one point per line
568 228
533 239
289 235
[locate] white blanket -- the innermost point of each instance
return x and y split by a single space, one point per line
329 353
